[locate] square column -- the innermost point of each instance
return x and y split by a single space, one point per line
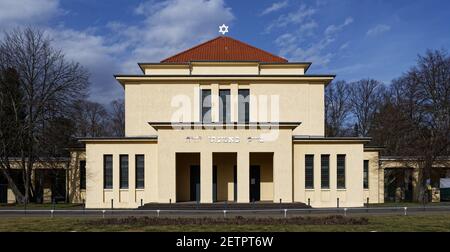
243 177
206 177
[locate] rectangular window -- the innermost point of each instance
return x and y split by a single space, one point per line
107 172
325 171
309 171
366 174
83 174
244 105
139 171
340 171
224 106
123 171
205 105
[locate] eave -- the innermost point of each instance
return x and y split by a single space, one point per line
302 139
200 125
118 139
148 79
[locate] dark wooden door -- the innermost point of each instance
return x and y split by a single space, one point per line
255 183
214 183
195 183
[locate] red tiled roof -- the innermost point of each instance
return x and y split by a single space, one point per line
224 49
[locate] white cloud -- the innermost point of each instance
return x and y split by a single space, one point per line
275 7
95 54
292 18
173 27
15 12
302 23
337 28
378 29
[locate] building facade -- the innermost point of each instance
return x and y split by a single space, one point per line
225 121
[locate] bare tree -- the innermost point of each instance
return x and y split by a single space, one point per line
118 118
336 107
365 99
48 83
423 96
91 119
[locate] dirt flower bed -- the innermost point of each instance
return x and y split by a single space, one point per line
239 220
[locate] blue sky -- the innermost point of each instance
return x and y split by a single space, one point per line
354 39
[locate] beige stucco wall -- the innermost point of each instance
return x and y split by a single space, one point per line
280 70
375 193
351 196
269 102
97 197
172 70
76 194
214 68
224 69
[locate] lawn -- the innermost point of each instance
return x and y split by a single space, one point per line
428 223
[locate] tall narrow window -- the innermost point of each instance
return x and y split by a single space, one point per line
309 171
83 174
325 171
340 171
123 170
224 107
140 171
107 172
205 104
366 174
244 105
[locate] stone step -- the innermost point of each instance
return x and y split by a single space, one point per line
222 206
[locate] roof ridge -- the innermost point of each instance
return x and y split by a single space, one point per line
190 49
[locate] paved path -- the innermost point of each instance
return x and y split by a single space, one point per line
4 213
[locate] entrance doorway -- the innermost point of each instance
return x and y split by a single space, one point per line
195 183
224 186
187 177
261 176
255 183
398 185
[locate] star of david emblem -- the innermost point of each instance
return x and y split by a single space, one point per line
223 29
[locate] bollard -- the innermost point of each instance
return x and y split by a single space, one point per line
142 202
309 202
112 204
103 213
345 211
170 201
337 202
84 206
367 204
405 208
224 213
157 213
285 213
51 213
